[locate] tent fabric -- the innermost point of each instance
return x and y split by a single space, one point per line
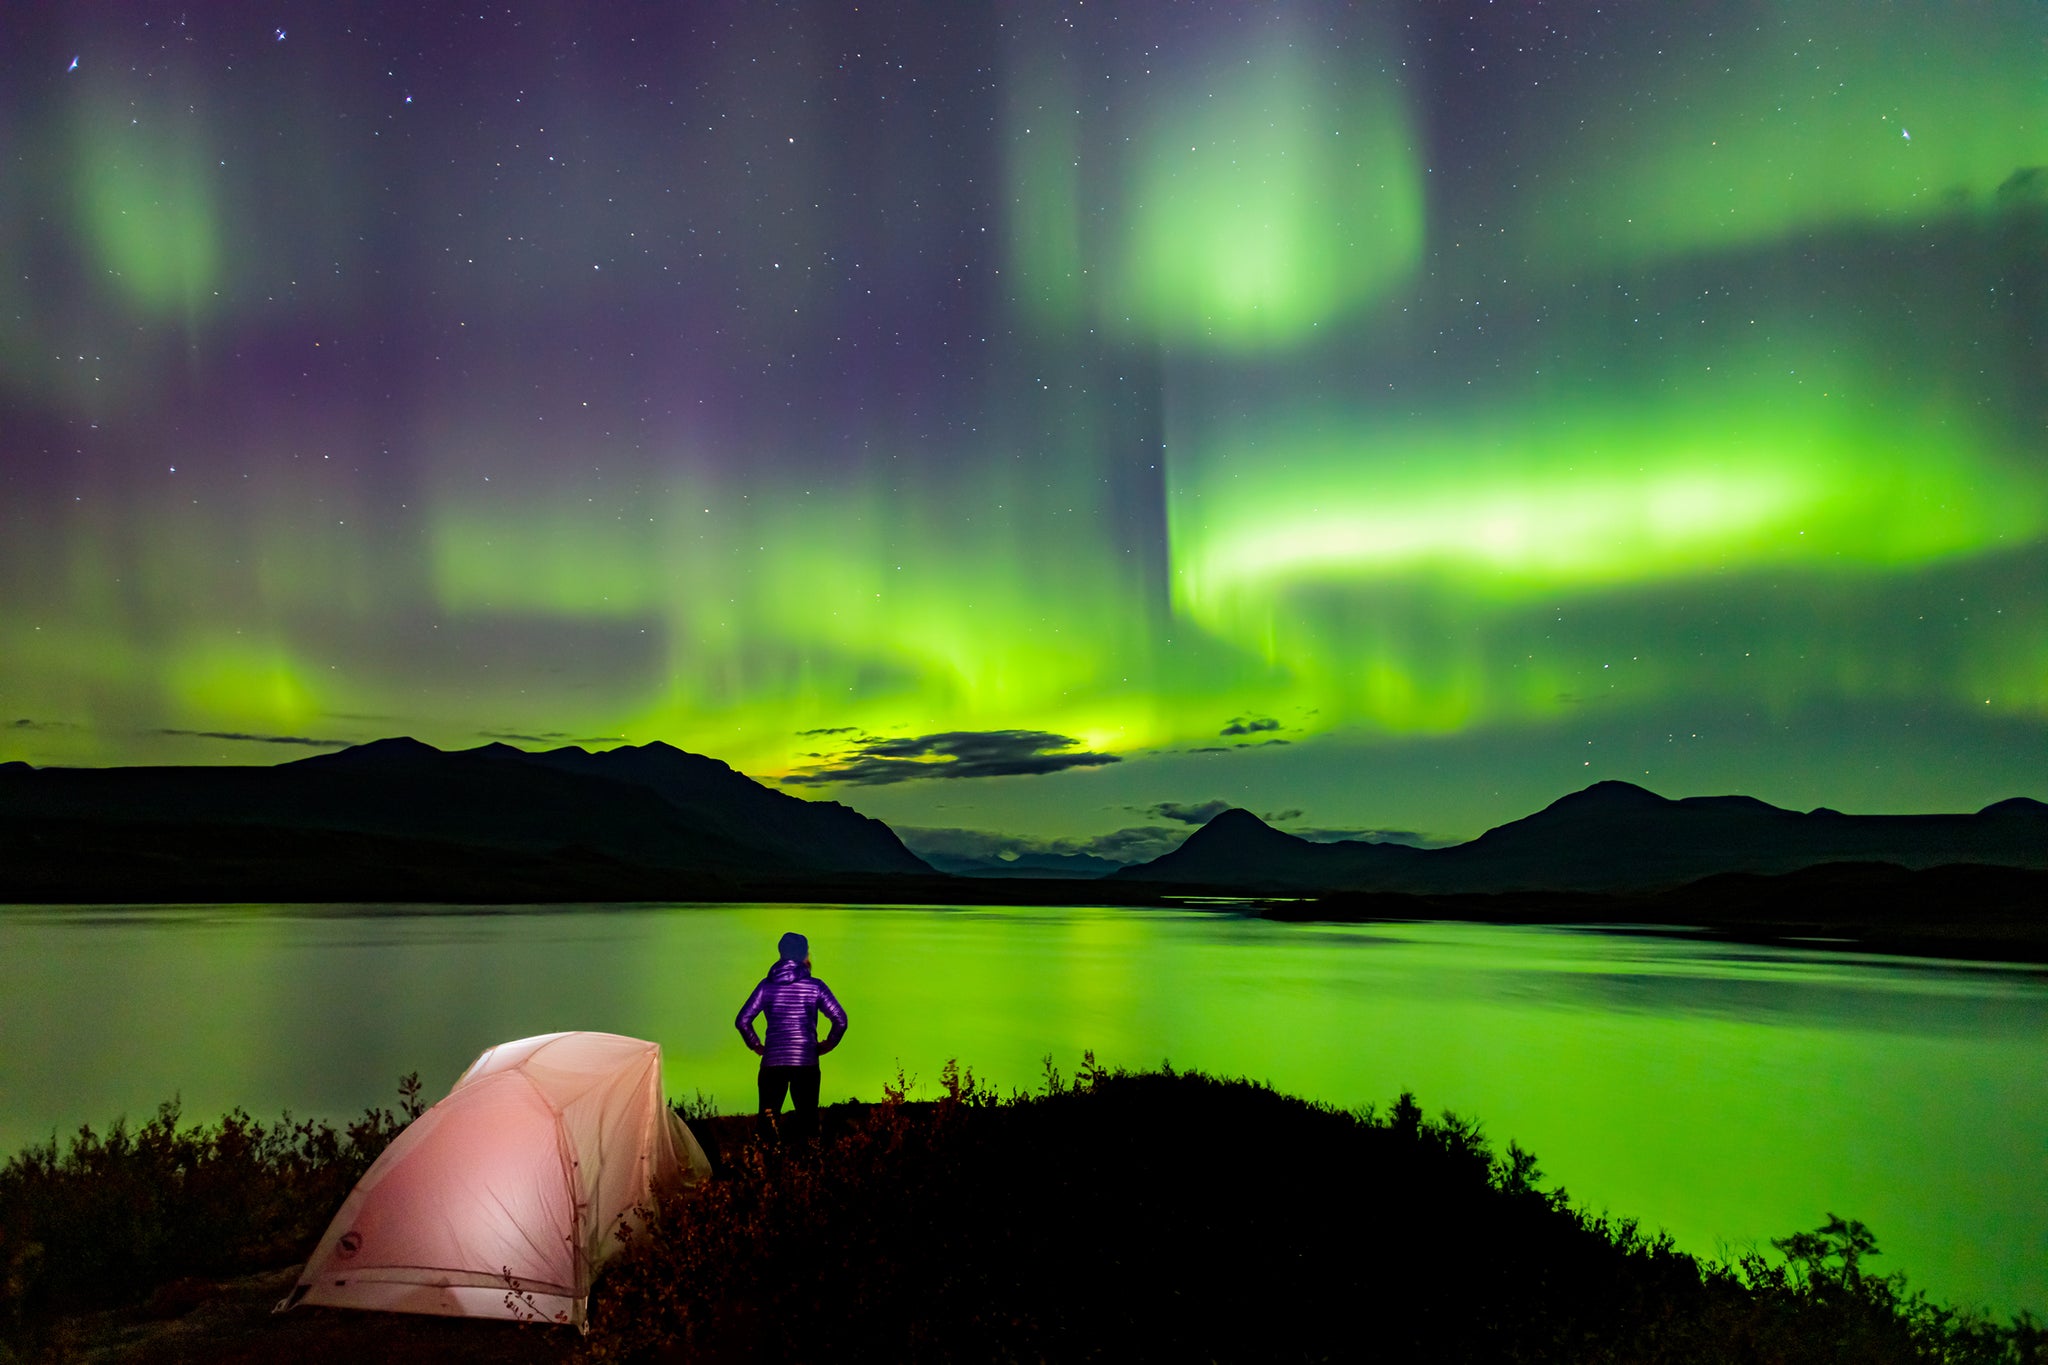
519 1179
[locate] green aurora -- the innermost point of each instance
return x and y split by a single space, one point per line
1457 426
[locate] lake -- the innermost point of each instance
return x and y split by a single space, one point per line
1724 1092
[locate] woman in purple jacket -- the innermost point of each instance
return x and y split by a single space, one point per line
791 997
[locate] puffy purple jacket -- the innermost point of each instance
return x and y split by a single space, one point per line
791 997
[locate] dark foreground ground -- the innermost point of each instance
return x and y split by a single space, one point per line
1148 1217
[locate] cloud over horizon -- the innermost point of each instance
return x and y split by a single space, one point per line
1198 813
1236 748
302 741
1138 844
874 761
1189 813
1133 844
1410 837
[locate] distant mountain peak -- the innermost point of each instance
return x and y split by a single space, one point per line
1608 795
1748 803
1614 790
498 748
393 749
393 744
2016 805
1241 831
656 751
1236 818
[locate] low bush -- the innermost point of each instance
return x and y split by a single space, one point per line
110 1216
1178 1217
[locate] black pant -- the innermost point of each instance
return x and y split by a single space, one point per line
800 1083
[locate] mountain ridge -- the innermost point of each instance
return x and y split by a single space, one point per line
1608 837
396 818
683 819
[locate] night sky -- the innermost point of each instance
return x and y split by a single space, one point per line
1034 419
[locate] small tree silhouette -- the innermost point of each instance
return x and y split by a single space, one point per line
1831 1256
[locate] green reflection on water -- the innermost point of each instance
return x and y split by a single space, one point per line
1729 1094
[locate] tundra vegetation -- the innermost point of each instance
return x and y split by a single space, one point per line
1155 1215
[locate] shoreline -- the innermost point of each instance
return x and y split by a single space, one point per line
1937 913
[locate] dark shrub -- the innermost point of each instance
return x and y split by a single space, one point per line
110 1216
1177 1217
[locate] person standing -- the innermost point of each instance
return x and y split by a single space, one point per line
791 998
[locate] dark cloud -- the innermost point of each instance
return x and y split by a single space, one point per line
1413 838
551 737
1139 844
2027 185
26 724
935 842
1189 813
302 741
1282 816
1236 748
830 730
1249 725
875 762
1134 845
1215 749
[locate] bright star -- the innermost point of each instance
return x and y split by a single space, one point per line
73 66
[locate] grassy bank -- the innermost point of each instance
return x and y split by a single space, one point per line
1152 1216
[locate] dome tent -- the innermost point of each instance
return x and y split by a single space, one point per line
523 1173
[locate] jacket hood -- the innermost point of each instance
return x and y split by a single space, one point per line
785 970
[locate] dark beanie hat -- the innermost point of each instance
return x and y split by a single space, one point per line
794 947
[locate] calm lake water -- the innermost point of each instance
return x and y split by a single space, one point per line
1726 1093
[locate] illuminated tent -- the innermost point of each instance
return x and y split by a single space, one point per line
517 1181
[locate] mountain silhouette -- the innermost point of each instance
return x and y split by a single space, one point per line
1612 836
397 819
400 818
724 807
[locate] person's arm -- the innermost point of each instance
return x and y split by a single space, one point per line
756 1002
833 1010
